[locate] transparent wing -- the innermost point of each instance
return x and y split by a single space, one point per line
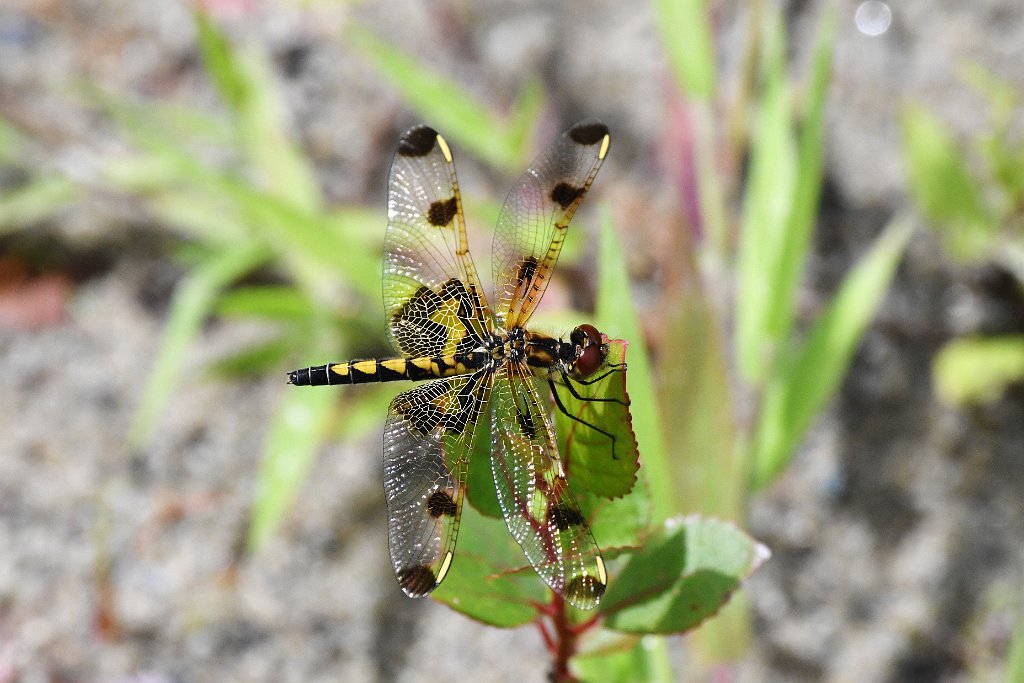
539 510
532 223
432 295
428 440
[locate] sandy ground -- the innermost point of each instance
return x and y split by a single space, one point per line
897 534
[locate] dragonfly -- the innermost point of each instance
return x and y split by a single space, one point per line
484 370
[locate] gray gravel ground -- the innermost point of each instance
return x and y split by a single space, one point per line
897 535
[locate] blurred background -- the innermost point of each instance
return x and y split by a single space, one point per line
819 207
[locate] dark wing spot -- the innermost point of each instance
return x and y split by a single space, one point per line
584 590
441 504
421 416
588 133
441 212
417 141
564 516
565 194
417 581
526 426
526 269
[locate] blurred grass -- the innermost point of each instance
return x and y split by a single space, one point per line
42 195
972 194
504 142
788 375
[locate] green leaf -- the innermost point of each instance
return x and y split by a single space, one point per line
605 466
617 524
488 581
617 317
296 434
451 108
682 576
942 185
480 482
633 660
192 302
685 29
978 370
805 379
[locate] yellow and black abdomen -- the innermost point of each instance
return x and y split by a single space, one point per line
388 369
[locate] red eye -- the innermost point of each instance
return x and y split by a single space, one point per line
589 361
592 334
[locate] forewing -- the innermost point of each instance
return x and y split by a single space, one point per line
428 440
432 295
533 492
536 214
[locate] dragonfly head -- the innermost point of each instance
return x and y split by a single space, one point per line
591 350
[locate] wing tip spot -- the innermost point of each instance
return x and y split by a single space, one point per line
418 141
585 591
419 580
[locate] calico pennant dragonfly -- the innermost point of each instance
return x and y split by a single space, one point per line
481 360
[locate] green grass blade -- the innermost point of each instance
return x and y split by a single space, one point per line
449 107
192 303
978 370
806 379
243 77
34 202
617 317
796 239
942 185
766 211
221 63
1015 657
686 33
296 434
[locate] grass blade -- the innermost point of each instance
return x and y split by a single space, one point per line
686 33
34 201
193 301
795 240
807 378
449 107
296 434
942 185
766 211
978 370
242 75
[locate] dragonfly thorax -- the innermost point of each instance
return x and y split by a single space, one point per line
579 357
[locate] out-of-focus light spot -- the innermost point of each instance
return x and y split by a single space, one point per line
873 18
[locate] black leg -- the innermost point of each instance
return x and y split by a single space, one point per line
562 409
567 381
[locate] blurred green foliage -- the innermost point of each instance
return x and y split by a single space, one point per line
972 194
39 196
788 371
